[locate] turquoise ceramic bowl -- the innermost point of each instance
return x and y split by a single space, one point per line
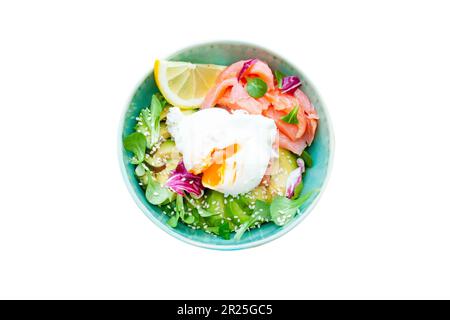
225 53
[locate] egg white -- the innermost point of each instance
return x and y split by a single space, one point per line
199 134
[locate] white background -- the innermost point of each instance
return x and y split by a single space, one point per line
69 228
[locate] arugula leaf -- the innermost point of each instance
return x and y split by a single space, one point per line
224 230
307 158
136 143
283 210
256 87
155 193
291 117
261 213
279 76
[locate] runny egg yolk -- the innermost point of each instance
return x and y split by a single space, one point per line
215 173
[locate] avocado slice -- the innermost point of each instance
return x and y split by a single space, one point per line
285 164
166 159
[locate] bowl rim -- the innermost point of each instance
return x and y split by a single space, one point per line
283 230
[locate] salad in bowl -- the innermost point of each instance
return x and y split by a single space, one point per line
223 149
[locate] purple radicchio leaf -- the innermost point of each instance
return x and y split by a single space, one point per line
247 64
182 180
295 178
289 84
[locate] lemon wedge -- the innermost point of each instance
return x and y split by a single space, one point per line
185 84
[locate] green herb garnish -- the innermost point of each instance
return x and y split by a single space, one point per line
256 87
291 117
279 76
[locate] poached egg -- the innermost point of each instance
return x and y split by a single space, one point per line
231 150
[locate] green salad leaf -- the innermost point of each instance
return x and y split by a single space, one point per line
279 76
178 210
201 212
187 218
261 213
256 87
140 170
155 110
161 99
173 221
225 231
283 210
234 211
136 143
298 190
206 213
157 194
214 230
149 120
291 117
180 206
307 158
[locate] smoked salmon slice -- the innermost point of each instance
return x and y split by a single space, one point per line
281 101
232 71
303 100
237 98
230 92
216 92
261 70
290 130
295 146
